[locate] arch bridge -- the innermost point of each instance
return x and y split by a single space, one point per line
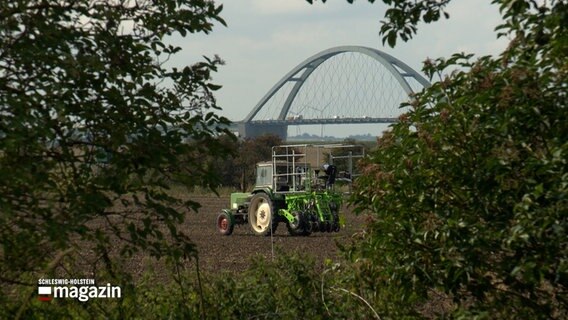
341 85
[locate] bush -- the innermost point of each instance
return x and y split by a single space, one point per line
91 139
470 189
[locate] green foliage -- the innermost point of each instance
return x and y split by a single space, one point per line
290 287
90 139
238 171
470 189
287 288
252 151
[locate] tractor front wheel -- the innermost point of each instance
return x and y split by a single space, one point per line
262 217
225 223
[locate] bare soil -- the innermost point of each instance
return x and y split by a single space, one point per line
218 253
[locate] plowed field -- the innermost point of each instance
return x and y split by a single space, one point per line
233 253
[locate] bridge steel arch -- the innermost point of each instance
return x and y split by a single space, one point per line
302 72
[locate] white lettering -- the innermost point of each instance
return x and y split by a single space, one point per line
116 292
60 292
93 293
102 292
84 293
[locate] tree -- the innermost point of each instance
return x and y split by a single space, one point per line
252 151
238 170
468 191
92 133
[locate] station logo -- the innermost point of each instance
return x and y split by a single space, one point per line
80 289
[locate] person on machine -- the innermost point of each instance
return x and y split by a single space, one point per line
330 174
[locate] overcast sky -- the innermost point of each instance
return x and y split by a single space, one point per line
265 39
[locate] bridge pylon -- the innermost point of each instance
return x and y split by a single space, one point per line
251 129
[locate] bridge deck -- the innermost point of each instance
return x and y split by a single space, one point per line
338 120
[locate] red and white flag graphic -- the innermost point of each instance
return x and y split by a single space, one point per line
44 293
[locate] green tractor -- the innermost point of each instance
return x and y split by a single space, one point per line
302 186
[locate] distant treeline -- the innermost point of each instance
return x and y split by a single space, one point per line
238 170
314 137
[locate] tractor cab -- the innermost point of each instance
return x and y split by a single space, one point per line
282 176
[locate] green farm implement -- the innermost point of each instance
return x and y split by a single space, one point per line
302 186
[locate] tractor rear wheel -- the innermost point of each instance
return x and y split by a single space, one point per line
262 217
